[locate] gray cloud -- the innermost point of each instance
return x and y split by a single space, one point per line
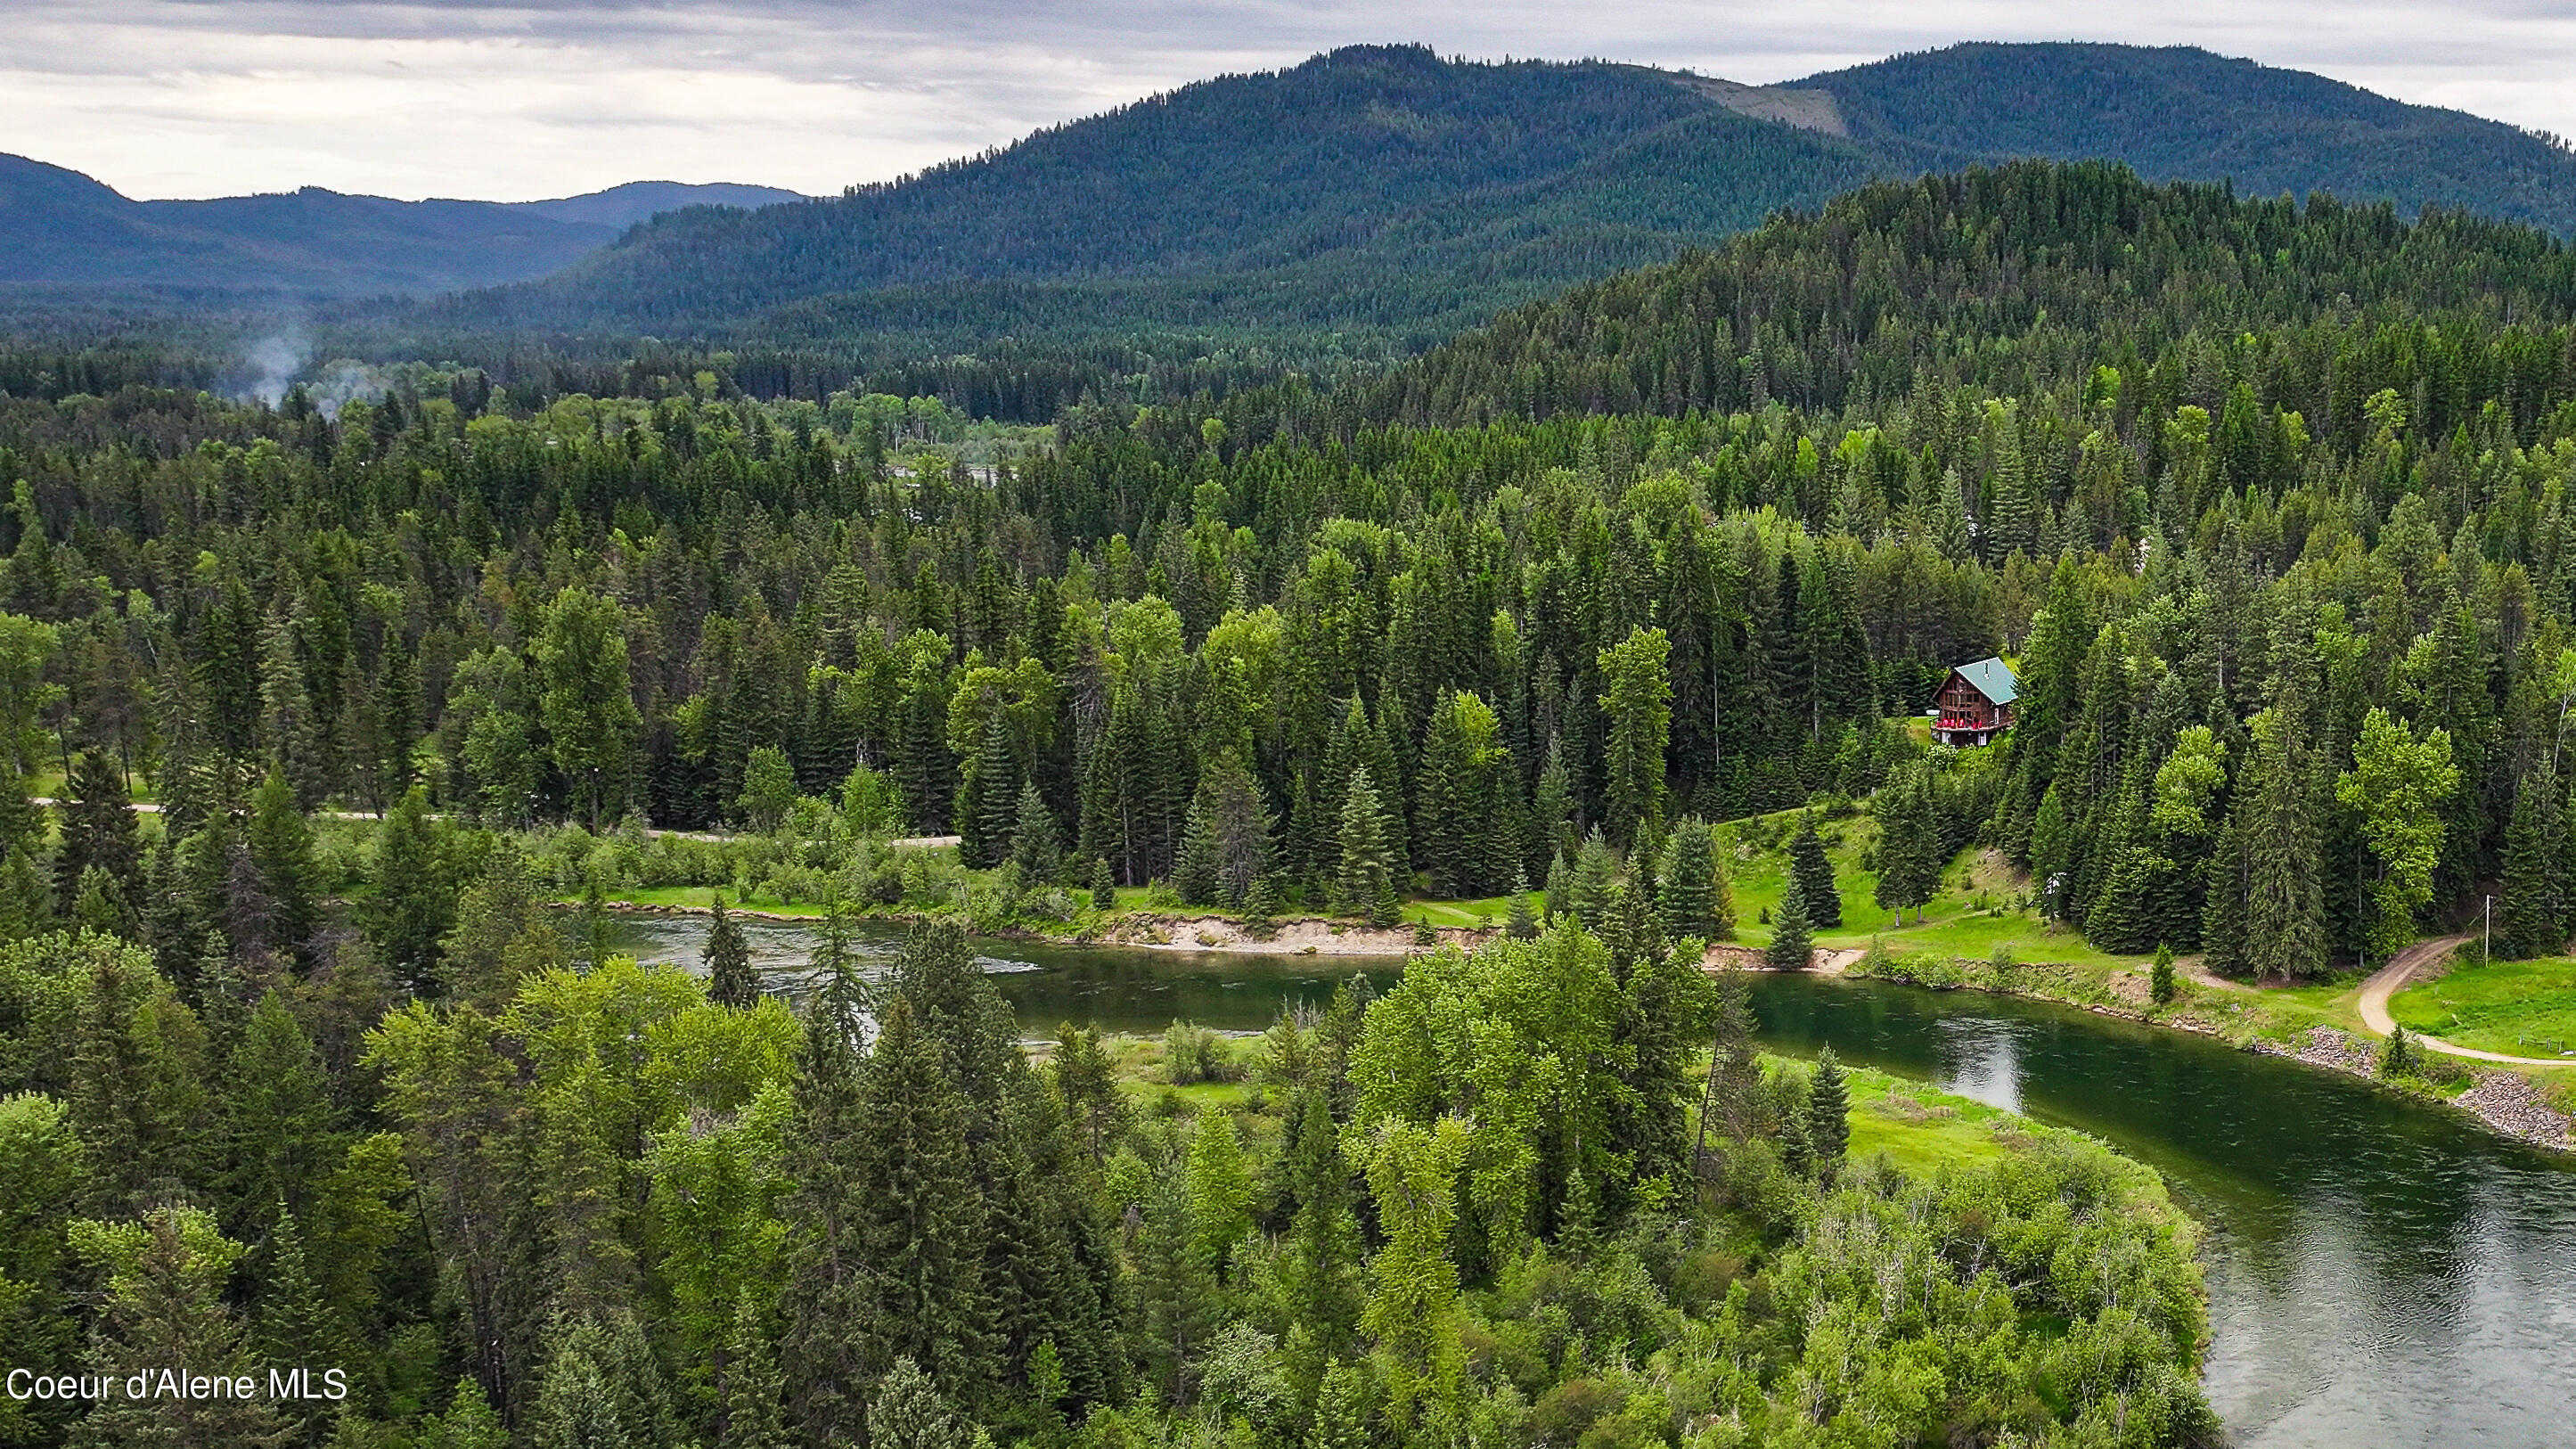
513 100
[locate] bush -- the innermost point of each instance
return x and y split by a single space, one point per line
1194 1054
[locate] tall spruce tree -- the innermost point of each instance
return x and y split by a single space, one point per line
1688 890
414 905
1910 857
1638 698
1828 1113
731 982
1366 882
2531 904
988 798
98 829
1811 876
2222 921
2285 932
1792 936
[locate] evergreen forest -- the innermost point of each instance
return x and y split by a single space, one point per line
2265 502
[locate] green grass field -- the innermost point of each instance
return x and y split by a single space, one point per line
1921 1130
2522 1008
1975 911
1917 1128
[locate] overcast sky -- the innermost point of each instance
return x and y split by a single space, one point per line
516 101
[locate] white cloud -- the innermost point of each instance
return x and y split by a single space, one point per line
514 100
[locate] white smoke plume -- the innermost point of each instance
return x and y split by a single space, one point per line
273 362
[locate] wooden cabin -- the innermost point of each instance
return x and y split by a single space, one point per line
1975 704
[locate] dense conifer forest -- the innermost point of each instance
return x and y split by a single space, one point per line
2267 502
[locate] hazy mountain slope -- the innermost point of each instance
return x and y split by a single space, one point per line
2185 114
58 226
620 207
1244 171
1382 187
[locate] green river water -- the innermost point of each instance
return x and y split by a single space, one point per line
2380 1273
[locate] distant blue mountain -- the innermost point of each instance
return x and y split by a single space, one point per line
61 227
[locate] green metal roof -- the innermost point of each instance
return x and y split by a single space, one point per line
1993 679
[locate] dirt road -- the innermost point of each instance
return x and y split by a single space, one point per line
2388 980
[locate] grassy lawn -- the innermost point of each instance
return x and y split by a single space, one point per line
1919 1129
2523 1008
1973 913
1491 911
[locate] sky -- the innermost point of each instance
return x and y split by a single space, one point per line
516 101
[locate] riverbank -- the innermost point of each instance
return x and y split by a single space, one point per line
2311 1025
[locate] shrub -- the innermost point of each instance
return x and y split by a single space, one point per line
1194 1054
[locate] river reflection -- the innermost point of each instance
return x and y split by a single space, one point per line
2380 1274
1981 1060
1110 989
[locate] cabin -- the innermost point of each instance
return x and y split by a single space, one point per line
1975 704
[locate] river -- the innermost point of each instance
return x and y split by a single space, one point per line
2380 1273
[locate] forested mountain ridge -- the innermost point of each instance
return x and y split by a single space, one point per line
1257 174
2011 277
61 228
2182 113
1442 189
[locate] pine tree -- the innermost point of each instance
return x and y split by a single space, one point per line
1596 876
731 981
907 1411
414 905
1651 1038
1104 887
278 1122
1033 836
1811 876
2160 977
2531 905
98 829
987 799
1552 809
166 1272
1797 1142
752 1415
1687 892
288 729
1560 888
1910 857
296 1327
2222 921
1459 799
1366 884
1220 1194
822 1352
1732 1100
281 850
601 1389
1341 1411
1638 697
1791 936
920 1219
468 1423
1175 1297
1828 1113
2284 901
1195 877
1315 1276
1261 911
2123 916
